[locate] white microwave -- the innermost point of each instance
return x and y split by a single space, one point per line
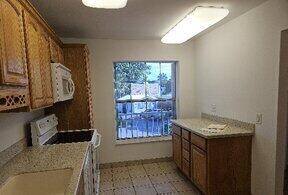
63 85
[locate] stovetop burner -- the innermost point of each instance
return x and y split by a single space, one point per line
70 137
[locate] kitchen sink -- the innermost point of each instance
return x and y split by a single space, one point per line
44 183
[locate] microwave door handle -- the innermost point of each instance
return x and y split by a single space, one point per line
72 87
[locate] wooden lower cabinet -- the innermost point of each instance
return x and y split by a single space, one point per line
185 154
177 153
186 167
217 165
198 161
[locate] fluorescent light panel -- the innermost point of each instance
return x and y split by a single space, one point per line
198 20
105 4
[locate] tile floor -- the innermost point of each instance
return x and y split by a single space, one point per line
145 179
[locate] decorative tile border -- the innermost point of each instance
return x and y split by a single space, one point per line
12 151
134 162
233 122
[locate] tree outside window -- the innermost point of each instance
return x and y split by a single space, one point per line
145 98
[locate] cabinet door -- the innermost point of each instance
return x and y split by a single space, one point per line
32 32
60 55
46 67
12 45
54 51
177 151
199 168
57 54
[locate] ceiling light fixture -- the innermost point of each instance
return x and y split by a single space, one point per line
105 4
195 22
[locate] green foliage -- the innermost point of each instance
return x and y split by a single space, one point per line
130 72
135 72
165 84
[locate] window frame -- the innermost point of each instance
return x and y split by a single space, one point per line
173 99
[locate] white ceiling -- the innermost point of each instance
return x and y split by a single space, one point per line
141 19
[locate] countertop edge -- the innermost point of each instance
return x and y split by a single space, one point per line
82 167
30 159
245 133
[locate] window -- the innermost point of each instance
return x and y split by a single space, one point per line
144 98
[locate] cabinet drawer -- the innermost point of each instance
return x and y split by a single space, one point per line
176 130
185 144
186 167
186 154
198 141
186 134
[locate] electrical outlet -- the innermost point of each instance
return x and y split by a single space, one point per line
259 118
213 108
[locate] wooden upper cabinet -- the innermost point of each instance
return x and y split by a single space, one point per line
46 67
32 32
13 65
54 51
27 47
39 68
57 54
61 55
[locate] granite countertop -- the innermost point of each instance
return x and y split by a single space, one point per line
231 130
46 158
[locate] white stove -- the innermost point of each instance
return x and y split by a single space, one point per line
44 132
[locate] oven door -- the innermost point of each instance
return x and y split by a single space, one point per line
88 173
96 141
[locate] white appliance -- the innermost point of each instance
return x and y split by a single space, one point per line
63 85
44 132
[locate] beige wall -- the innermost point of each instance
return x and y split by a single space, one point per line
13 126
103 54
237 68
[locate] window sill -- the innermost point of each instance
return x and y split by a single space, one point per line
143 140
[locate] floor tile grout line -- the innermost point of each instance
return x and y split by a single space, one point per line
131 180
150 180
165 170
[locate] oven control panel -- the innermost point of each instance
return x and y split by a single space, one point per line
45 124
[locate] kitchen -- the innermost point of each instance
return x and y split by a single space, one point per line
230 70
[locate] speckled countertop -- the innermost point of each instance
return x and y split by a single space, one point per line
48 157
233 129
